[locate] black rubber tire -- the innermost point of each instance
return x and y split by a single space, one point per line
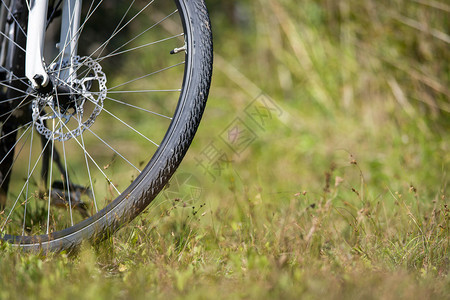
166 159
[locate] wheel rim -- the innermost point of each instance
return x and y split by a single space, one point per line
95 148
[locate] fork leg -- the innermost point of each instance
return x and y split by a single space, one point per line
70 24
37 19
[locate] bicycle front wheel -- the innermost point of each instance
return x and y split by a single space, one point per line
81 159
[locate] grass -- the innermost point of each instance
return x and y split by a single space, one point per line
341 192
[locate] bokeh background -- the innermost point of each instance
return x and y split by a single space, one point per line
307 91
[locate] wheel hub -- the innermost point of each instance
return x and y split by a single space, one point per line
72 105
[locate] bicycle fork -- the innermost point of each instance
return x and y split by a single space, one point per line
35 71
37 25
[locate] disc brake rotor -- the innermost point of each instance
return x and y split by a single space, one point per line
74 104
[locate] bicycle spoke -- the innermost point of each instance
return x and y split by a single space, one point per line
124 26
116 31
53 12
21 79
66 44
89 15
121 121
23 187
11 114
21 105
14 131
129 126
12 148
87 153
140 34
67 183
26 194
11 99
74 147
147 75
137 47
15 44
144 91
140 108
114 150
10 168
117 27
50 175
130 91
28 4
13 88
88 170
115 52
10 14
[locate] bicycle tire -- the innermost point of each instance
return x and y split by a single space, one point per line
169 154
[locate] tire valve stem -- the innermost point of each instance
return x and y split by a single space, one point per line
178 50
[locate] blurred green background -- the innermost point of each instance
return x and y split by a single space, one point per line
366 78
325 142
323 153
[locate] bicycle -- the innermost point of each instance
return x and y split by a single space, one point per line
95 116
